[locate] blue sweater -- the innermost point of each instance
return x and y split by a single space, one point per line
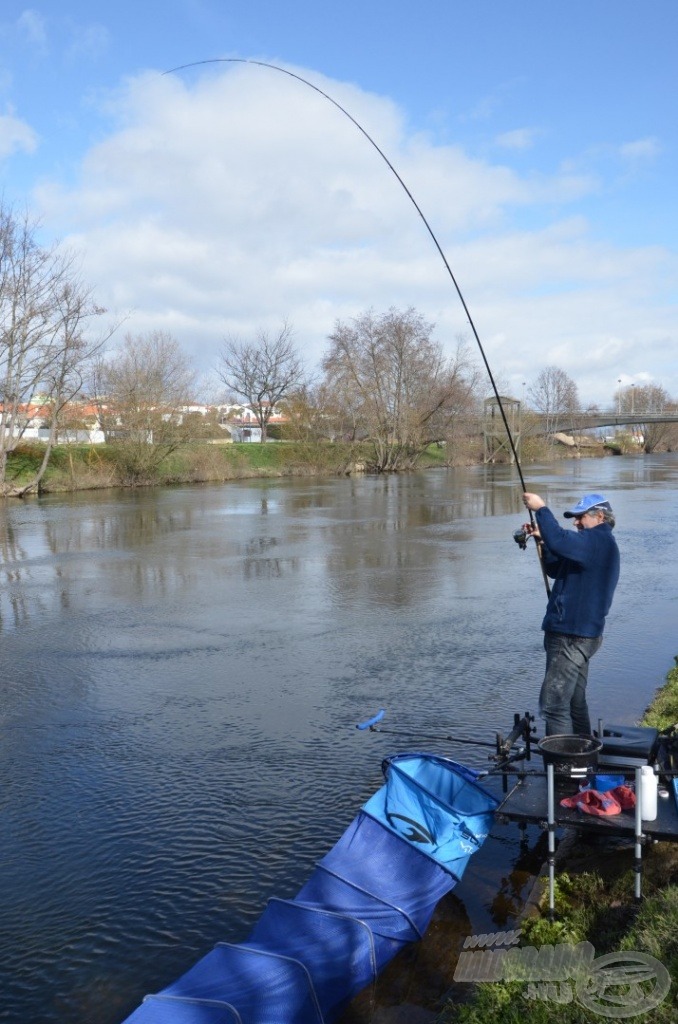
584 565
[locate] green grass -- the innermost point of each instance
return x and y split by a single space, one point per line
596 909
435 455
24 462
75 467
79 467
662 713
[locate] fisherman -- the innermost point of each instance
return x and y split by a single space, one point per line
585 567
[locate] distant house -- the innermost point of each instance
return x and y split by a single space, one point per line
78 422
245 432
29 420
242 421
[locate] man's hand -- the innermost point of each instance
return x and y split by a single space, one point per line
533 501
532 530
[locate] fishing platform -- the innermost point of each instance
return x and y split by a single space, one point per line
622 751
575 794
376 890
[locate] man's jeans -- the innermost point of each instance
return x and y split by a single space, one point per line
562 701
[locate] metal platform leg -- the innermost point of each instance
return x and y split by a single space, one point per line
638 861
551 821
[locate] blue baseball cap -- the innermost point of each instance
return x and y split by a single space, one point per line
587 504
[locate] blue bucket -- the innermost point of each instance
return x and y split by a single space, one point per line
603 783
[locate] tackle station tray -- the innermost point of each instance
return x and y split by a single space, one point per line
527 800
625 749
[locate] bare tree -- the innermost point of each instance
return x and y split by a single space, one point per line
140 391
73 358
309 413
652 399
263 372
555 395
394 386
44 313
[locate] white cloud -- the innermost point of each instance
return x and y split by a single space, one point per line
33 27
15 136
232 201
641 149
519 138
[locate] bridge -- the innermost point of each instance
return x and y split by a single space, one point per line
494 430
590 420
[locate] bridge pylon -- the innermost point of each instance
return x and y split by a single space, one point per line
496 443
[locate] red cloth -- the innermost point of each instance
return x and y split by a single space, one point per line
590 801
624 796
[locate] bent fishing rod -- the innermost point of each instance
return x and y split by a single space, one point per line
365 133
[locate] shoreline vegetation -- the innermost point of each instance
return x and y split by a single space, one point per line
73 467
595 904
91 467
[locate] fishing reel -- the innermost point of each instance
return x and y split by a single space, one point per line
520 537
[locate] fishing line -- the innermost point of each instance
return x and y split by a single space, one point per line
363 131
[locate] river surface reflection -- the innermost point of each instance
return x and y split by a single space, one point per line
182 670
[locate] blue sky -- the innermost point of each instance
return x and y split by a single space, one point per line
539 139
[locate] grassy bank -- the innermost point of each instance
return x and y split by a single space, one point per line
594 903
87 467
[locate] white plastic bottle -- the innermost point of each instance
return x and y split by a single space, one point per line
648 793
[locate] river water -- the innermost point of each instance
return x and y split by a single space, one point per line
182 670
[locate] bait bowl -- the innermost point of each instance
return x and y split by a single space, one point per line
571 756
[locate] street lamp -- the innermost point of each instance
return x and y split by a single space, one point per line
619 397
633 404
